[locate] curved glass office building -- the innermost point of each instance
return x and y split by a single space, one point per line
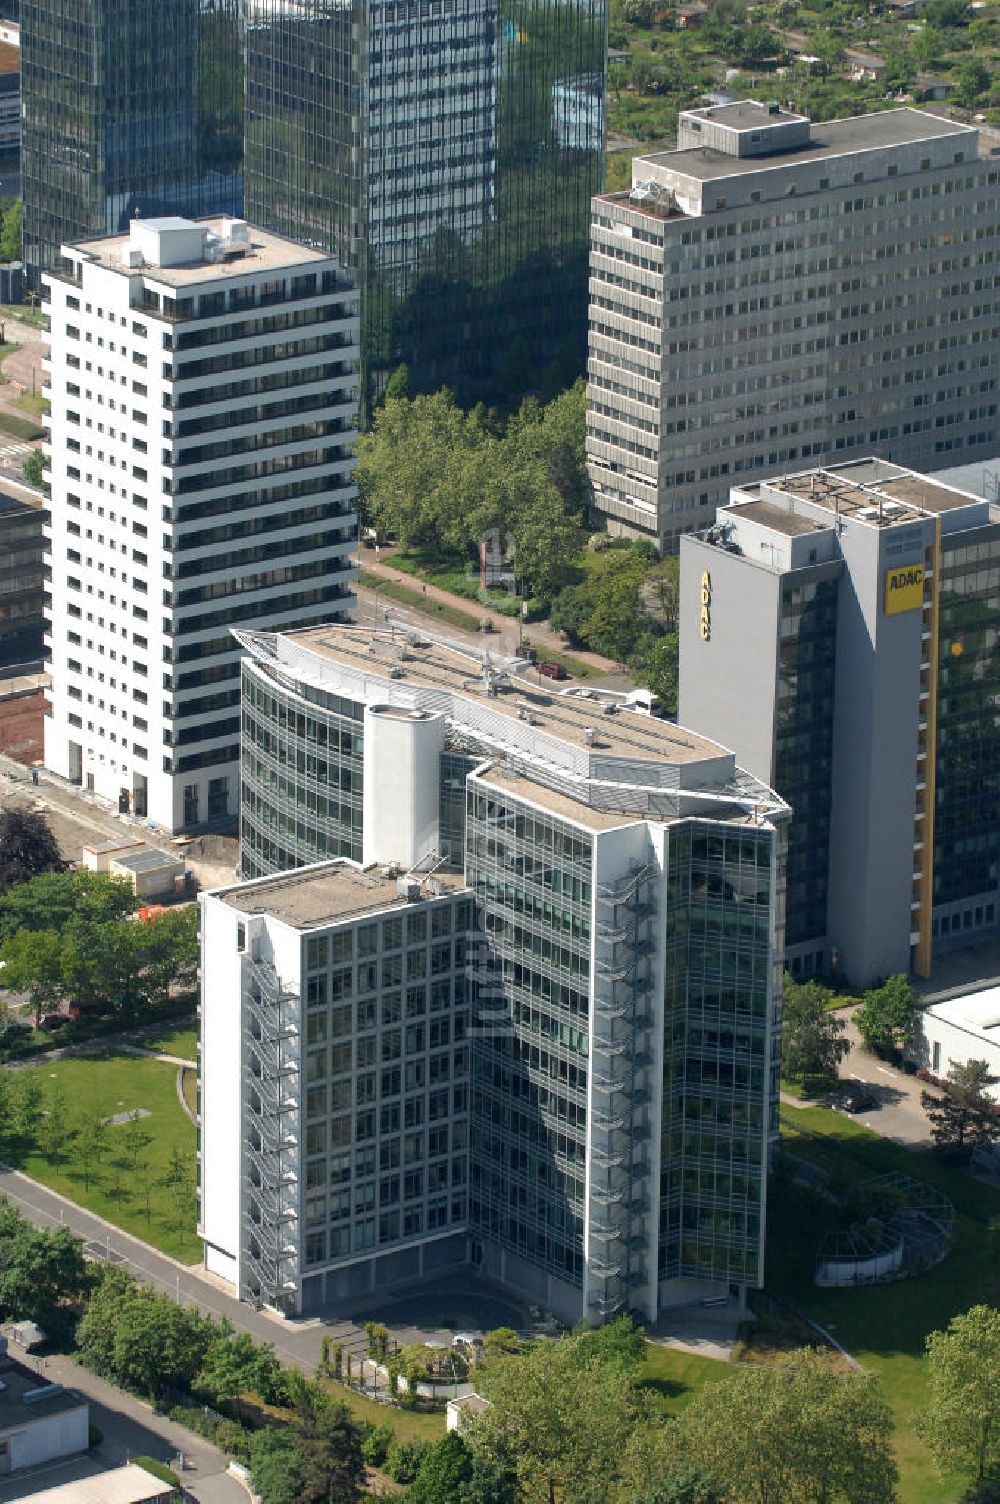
619 1008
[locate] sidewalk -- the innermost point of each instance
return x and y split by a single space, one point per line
298 1342
539 632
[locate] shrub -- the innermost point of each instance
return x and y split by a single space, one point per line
403 1460
375 1443
232 1438
158 1470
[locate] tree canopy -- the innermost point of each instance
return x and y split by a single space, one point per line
887 1015
41 1273
440 478
813 1039
963 1118
961 1421
27 847
797 1431
67 935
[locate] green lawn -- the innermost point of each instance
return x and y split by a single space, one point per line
114 1084
884 1326
180 1042
675 1377
407 595
407 1425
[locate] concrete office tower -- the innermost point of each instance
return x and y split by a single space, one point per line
615 886
839 630
126 109
203 392
773 292
448 155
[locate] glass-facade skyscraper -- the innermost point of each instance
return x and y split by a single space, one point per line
129 108
447 150
609 1034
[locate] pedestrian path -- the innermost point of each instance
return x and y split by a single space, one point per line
539 632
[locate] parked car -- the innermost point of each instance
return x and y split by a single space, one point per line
858 1100
54 1021
552 670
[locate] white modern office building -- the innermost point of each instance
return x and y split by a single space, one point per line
526 1019
774 294
203 390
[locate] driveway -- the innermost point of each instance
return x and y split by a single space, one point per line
130 1429
899 1115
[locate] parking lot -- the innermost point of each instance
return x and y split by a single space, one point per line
898 1115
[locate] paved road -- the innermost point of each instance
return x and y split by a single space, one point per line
298 1343
130 1429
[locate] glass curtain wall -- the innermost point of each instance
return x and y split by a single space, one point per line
301 778
128 107
803 751
448 151
967 803
530 875
717 1020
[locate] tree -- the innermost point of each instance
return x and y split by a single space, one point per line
795 1431
974 80
178 1178
813 1040
27 846
332 1465
53 1126
445 1473
276 1465
559 1412
142 1340
135 1138
961 1421
41 1273
887 1016
235 1364
89 1141
33 470
654 1470
25 1105
10 231
32 965
964 1118
659 671
53 900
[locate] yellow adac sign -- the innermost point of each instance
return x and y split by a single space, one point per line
904 588
705 621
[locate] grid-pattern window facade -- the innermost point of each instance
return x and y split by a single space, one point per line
455 768
449 155
803 748
530 874
749 340
967 783
301 779
717 1022
385 1081
126 108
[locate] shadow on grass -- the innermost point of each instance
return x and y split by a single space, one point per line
666 1389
